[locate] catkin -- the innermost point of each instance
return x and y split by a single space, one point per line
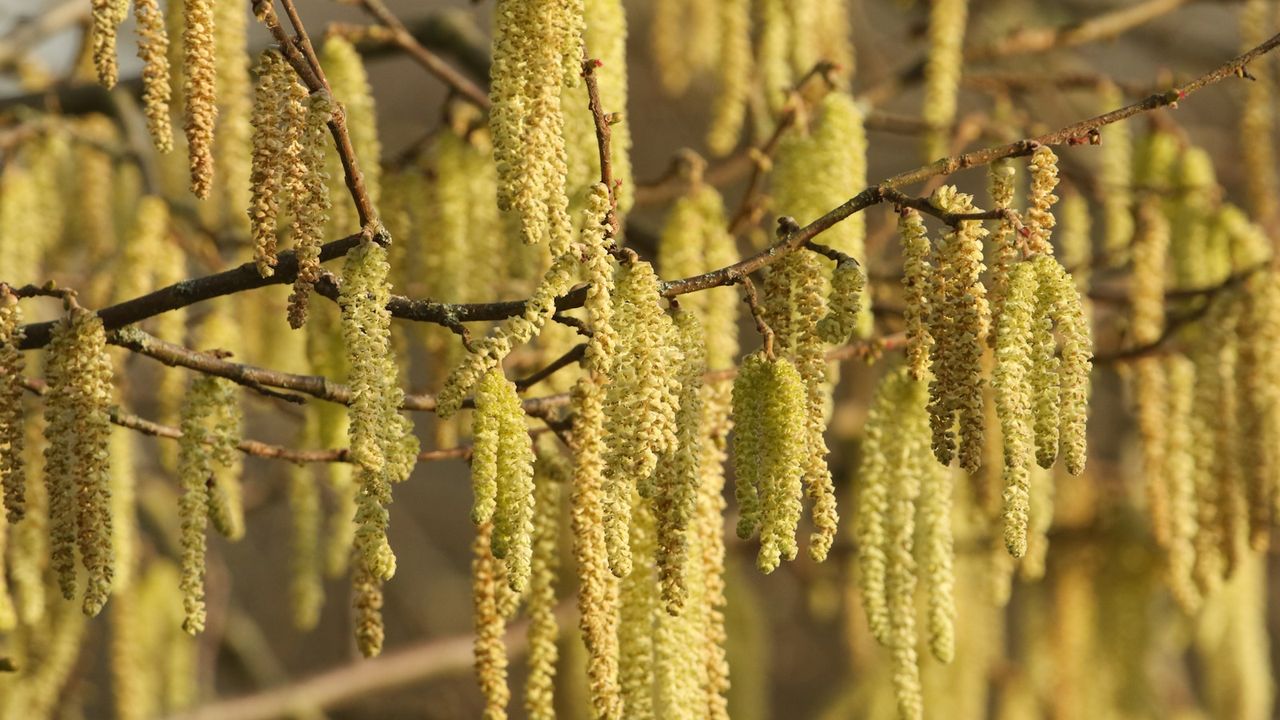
199 80
597 587
1040 221
733 70
936 551
106 18
1257 119
306 182
947 19
367 600
1013 402
349 84
1115 178
12 426
1180 471
1061 300
78 473
551 475
1000 187
881 439
510 487
637 613
232 150
900 587
306 589
844 304
678 473
641 402
490 650
1043 369
769 450
153 50
382 443
917 274
276 129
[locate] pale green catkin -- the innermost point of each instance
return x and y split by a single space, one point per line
774 392
639 605
350 85
224 420
306 183
77 471
1043 169
1000 187
551 476
195 466
306 588
513 499
366 591
917 274
936 550
1010 380
490 649
947 20
1180 468
900 587
844 305
640 402
12 426
1044 386
749 421
1059 297
678 473
1114 176
383 446
734 71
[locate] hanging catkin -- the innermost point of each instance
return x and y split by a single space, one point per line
277 120
199 79
490 649
551 475
1043 169
504 479
232 149
947 20
1010 380
637 613
76 410
917 279
153 50
1257 119
1000 187
1115 178
1180 470
306 589
12 427
597 587
733 70
306 182
106 18
383 446
367 600
349 84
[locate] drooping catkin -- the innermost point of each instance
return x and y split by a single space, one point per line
947 20
1043 169
367 600
153 50
769 395
277 117
306 589
709 554
1180 471
597 587
232 149
1257 118
306 182
77 472
1000 187
917 279
844 304
900 588
551 475
1115 178
106 18
1259 408
679 471
383 446
1146 298
637 613
536 46
199 69
958 322
640 403
1010 380
506 482
490 650
1044 367
936 553
224 420
733 71
12 426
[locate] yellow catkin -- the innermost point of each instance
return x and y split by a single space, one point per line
769 395
306 591
637 612
936 554
1257 119
641 402
917 274
678 472
1259 409
383 447
29 555
367 600
844 305
733 70
232 150
900 587
1013 402
773 50
79 375
1000 187
531 43
708 532
1114 176
306 182
153 50
124 524
199 80
226 504
947 19
12 427
1043 169
551 475
958 322
510 488
350 85
1044 367
1180 471
490 649
106 18
1059 297
1220 477
1076 241
276 116
597 588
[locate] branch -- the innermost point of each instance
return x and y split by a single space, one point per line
604 138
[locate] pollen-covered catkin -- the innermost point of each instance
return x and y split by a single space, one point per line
1044 179
512 482
749 421
845 303
1010 380
880 443
900 589
1044 386
597 587
153 50
1060 298
106 18
917 279
199 75
12 427
306 182
276 116
640 403
367 600
733 70
490 650
770 394
637 613
1000 176
382 443
1180 471
679 471
1257 119
79 428
551 475
947 20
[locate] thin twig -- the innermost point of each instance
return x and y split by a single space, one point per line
752 299
604 135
